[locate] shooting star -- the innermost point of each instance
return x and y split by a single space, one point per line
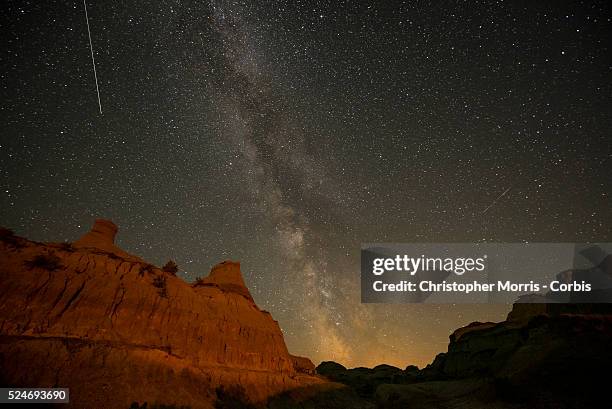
496 199
93 61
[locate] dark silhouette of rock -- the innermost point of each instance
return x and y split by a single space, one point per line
365 380
542 356
322 396
330 368
546 356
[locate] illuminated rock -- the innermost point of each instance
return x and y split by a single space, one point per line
117 330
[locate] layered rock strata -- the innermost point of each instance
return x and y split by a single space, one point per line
116 329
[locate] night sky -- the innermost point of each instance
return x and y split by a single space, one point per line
285 135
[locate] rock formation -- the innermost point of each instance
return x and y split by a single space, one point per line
303 365
117 330
227 277
102 237
542 355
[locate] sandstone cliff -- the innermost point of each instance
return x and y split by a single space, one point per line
117 330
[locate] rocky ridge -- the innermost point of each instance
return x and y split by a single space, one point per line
117 330
541 356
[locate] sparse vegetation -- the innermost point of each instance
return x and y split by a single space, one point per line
8 236
136 405
145 268
49 262
200 282
233 397
159 282
67 246
4 233
170 267
106 253
114 256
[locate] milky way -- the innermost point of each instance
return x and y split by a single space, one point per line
275 151
284 135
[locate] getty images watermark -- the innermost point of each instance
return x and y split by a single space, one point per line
486 273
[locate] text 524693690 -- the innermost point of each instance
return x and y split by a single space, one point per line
34 395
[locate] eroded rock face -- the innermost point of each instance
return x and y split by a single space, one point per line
303 365
542 356
556 339
227 277
101 237
116 329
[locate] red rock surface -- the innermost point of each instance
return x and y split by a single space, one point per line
102 237
303 365
115 329
227 277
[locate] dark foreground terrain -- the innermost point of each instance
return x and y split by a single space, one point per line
542 356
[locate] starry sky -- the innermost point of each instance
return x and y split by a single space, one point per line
285 134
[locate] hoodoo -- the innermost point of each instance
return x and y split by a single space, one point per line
227 277
102 237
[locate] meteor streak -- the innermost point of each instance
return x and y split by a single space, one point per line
93 61
496 199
